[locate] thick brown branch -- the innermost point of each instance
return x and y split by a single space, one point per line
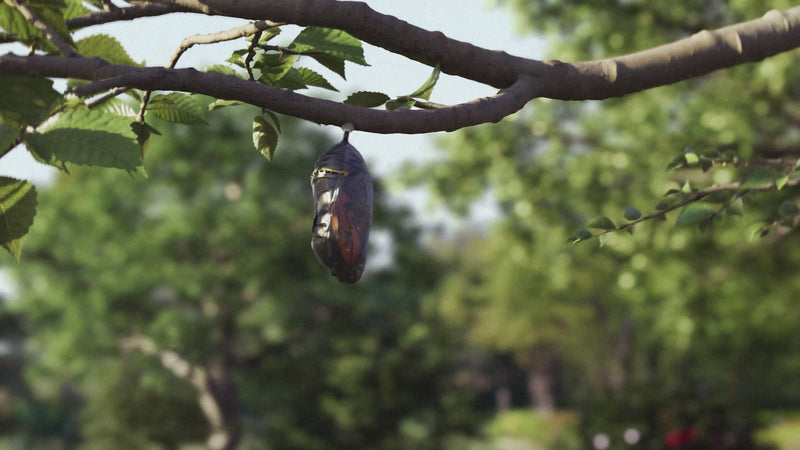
776 32
489 109
127 13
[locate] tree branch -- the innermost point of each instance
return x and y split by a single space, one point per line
127 13
488 109
51 34
520 79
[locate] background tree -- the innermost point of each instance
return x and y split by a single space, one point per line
91 128
663 328
188 302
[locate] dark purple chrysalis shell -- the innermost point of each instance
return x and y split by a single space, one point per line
342 189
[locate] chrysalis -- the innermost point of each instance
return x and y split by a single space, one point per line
342 190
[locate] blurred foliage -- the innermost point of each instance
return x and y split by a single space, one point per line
209 258
667 327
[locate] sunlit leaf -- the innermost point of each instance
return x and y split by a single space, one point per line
88 137
331 42
17 209
426 89
177 107
105 47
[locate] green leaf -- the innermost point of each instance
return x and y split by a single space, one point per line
426 89
105 47
333 63
223 69
24 99
177 107
580 235
265 135
217 104
292 80
780 183
736 207
788 208
367 99
273 65
687 187
8 134
400 104
757 178
49 11
632 213
88 137
330 42
693 213
17 209
603 223
312 78
691 158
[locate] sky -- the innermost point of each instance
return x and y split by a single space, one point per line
465 20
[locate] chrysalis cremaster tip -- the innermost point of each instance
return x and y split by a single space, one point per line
342 189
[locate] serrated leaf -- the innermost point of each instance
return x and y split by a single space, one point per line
177 107
105 47
75 9
367 99
333 63
292 80
17 210
694 213
49 12
788 208
604 223
8 134
23 99
265 136
312 78
331 42
426 89
88 137
632 213
400 104
273 66
117 106
223 69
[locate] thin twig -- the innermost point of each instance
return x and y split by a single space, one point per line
221 36
51 34
694 197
